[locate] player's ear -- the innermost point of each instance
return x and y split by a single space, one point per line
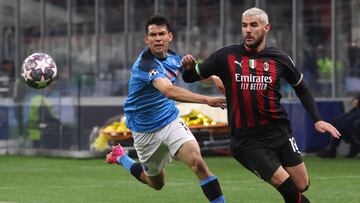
170 36
267 28
146 39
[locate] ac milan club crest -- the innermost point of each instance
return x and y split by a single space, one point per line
266 66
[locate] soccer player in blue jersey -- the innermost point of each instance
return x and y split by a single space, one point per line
261 138
158 132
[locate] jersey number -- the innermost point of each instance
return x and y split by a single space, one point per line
184 125
294 145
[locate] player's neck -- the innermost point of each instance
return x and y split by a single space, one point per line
160 56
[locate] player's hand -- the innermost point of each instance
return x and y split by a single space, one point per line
323 127
188 62
216 102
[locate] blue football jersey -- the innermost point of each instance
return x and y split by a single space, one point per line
146 108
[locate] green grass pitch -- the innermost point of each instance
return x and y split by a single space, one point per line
59 180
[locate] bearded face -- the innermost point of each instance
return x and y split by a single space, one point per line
254 31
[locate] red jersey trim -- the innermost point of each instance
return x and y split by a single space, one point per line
236 109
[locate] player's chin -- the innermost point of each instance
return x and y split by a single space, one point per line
159 52
249 43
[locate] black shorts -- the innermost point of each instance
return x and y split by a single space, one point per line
263 158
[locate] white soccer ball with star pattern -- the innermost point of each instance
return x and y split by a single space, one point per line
39 70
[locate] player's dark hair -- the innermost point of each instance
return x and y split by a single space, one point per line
157 20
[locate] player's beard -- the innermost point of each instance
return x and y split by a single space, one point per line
257 42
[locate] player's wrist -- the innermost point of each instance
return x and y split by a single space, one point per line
206 100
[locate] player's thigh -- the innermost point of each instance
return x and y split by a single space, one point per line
178 137
152 153
189 152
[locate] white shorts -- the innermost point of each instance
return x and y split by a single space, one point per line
156 149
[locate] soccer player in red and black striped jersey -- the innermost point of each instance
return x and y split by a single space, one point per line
261 138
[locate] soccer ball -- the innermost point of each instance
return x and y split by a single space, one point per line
38 70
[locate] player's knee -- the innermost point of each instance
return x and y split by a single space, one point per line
158 186
156 182
305 186
199 166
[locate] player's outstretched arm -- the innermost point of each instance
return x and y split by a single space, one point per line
308 102
216 81
218 84
323 127
176 93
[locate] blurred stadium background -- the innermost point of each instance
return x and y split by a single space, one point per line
94 43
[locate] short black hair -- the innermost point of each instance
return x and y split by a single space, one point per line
157 20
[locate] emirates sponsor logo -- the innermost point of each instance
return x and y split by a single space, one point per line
252 78
253 82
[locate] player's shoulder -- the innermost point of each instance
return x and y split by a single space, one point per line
276 53
173 56
146 61
172 53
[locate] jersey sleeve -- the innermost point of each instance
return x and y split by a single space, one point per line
295 79
210 66
151 70
291 73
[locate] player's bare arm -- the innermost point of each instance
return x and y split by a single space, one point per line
176 93
218 83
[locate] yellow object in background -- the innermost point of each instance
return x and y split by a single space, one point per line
101 143
116 126
109 132
197 118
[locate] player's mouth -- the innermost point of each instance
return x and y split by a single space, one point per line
158 46
249 38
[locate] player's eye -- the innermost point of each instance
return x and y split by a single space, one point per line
254 24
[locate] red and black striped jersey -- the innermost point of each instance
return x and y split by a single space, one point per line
252 83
